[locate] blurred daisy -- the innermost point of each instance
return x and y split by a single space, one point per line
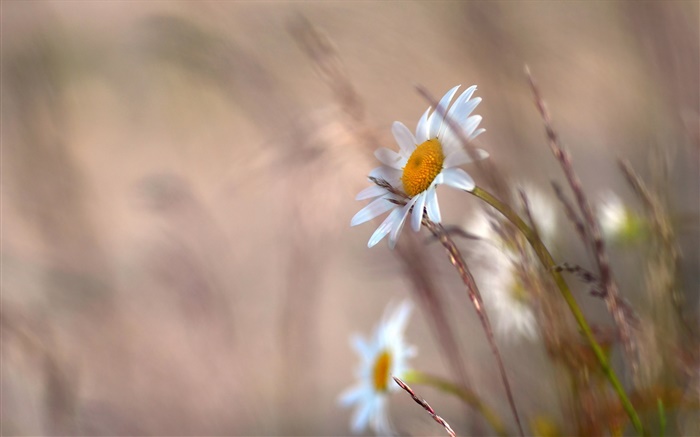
511 303
508 282
382 356
618 223
424 161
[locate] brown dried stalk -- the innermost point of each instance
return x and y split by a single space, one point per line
420 401
612 298
475 296
570 212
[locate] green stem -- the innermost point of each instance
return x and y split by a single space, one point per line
469 397
548 262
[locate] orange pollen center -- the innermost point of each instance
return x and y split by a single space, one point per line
424 164
381 371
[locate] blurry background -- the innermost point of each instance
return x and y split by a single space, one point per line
178 181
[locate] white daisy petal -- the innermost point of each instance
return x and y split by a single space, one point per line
437 117
423 127
371 192
396 324
417 215
361 346
389 157
470 125
376 208
404 138
352 395
384 228
398 224
390 175
457 112
461 157
477 133
432 206
380 421
466 108
360 418
411 352
458 178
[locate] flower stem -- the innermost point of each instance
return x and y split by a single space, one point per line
548 262
468 396
458 261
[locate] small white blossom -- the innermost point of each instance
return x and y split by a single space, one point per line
382 356
430 158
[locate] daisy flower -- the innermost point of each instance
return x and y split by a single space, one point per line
382 356
507 276
618 223
509 299
503 290
424 161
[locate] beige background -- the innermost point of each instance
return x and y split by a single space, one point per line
178 182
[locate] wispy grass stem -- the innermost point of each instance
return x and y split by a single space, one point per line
475 296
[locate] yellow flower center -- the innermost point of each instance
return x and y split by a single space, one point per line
381 371
518 292
424 164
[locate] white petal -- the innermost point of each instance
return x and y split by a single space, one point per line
471 125
397 323
465 109
411 352
461 157
372 192
477 133
398 224
417 215
375 208
438 115
391 175
450 141
458 178
389 157
404 138
457 111
361 346
352 395
422 127
384 228
380 421
432 206
360 419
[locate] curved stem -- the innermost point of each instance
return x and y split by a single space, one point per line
548 262
469 397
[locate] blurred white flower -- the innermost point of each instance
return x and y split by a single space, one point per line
424 161
617 222
505 273
506 295
382 356
612 215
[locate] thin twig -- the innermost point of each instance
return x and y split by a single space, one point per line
612 298
463 393
570 212
528 213
475 296
420 401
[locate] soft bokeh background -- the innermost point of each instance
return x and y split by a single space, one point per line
178 181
